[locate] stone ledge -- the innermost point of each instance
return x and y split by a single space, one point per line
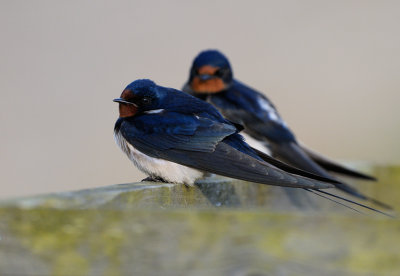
218 192
214 228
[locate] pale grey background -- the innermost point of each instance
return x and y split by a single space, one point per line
331 67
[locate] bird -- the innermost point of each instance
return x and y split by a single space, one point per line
211 79
174 137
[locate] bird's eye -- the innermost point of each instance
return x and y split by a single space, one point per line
196 71
146 100
219 73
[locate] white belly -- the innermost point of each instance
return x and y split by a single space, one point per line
155 167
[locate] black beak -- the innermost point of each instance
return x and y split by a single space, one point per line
120 100
205 77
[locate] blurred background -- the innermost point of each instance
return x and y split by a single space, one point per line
331 67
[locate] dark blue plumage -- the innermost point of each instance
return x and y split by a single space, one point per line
185 122
260 116
211 57
211 79
176 137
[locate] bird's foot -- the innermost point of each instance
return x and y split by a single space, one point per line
153 179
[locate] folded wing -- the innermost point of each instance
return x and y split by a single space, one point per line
208 145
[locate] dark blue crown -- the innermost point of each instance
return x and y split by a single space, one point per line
211 57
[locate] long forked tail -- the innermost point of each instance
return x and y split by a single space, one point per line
333 166
293 154
320 192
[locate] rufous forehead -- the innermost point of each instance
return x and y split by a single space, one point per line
127 94
207 70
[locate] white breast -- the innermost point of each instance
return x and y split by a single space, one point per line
155 167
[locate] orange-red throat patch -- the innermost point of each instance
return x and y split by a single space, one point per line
127 110
213 85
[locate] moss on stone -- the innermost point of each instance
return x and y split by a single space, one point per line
216 229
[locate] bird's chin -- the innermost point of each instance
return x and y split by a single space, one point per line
209 86
127 110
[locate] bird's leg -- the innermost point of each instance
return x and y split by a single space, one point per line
187 187
154 179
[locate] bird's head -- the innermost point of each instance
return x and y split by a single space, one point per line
139 96
210 72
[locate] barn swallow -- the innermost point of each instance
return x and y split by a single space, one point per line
211 79
175 137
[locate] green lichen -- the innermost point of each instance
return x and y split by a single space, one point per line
175 230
